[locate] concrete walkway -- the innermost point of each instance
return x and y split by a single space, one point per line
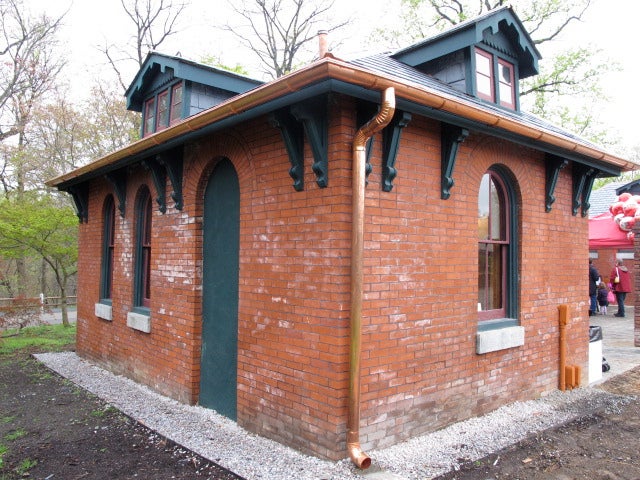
617 341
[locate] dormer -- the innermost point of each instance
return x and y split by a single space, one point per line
168 89
484 57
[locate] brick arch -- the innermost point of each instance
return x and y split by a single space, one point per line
198 171
485 151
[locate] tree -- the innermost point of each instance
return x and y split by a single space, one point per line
565 76
28 65
46 227
154 21
278 32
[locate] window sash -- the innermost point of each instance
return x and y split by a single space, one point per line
176 104
484 75
163 110
108 249
506 88
149 116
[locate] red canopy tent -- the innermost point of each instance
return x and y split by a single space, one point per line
604 232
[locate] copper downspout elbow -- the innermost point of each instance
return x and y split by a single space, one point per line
377 123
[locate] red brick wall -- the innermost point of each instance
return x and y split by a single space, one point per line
420 369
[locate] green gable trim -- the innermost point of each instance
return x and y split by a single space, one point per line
179 68
498 28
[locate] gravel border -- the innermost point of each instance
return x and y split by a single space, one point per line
253 457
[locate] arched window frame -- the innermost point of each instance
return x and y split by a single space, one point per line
144 213
507 313
108 248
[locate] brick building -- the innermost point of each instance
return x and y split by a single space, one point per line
345 257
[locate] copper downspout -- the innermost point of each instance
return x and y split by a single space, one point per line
563 315
377 123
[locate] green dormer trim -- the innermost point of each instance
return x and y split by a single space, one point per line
500 29
157 64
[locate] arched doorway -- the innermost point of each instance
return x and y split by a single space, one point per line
221 235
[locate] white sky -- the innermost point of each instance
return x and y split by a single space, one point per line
610 25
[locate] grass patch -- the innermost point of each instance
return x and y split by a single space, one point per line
25 465
16 434
50 338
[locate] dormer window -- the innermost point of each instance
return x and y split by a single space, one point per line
500 90
176 103
149 116
163 109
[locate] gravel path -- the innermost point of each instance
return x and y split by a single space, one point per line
253 457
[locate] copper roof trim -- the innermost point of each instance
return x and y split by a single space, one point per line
329 67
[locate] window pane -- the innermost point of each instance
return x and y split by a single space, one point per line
496 213
176 103
484 85
483 208
150 116
163 110
506 87
483 64
490 276
108 248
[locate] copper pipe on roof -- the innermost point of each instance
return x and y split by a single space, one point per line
323 48
377 123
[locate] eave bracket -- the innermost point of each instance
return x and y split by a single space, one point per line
553 165
119 181
293 136
80 195
451 138
583 178
390 143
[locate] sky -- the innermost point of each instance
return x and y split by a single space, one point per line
609 25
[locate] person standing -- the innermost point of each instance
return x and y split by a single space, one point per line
621 282
594 280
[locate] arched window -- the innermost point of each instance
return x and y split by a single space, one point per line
143 249
108 243
497 252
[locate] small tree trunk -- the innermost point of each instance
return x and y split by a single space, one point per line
63 306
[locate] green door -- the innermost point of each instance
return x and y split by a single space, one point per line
221 232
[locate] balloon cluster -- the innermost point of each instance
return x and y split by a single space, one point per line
626 211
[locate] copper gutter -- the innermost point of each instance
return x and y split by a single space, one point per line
332 68
377 123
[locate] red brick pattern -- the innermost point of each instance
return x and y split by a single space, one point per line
419 366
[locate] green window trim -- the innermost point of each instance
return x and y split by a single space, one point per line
142 268
509 313
108 250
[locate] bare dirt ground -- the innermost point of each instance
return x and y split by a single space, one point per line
51 429
602 446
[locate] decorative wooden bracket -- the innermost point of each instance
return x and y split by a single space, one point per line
119 181
80 195
451 137
293 136
586 191
553 165
172 162
159 175
314 118
583 178
390 144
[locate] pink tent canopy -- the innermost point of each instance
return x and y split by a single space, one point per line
604 232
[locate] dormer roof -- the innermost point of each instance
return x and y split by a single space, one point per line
500 29
158 65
